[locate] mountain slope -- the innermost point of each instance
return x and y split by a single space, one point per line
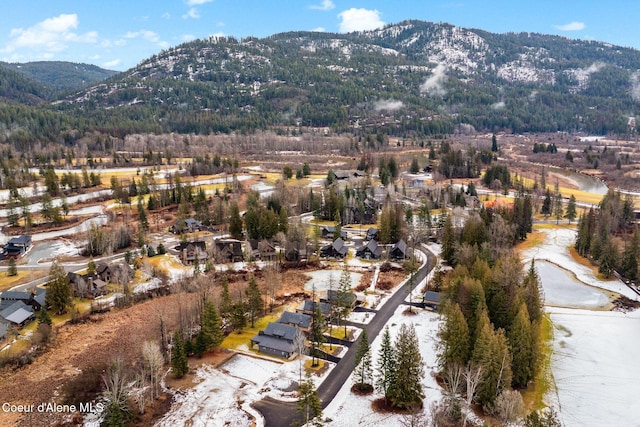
14 87
61 76
408 78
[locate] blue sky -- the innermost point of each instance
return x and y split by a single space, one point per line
118 34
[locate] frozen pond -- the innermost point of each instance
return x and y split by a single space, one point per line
561 288
322 280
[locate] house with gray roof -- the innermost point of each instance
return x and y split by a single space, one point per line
432 299
399 251
17 313
309 307
277 340
300 320
337 249
371 250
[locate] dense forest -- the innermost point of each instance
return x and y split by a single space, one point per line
394 81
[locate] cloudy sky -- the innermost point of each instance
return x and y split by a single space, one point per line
118 34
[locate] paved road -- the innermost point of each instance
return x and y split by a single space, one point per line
283 414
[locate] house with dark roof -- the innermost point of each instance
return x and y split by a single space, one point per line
229 250
293 252
34 299
18 313
371 250
16 247
337 249
189 225
309 307
372 234
399 251
299 320
332 297
328 231
262 249
278 339
114 273
191 250
432 299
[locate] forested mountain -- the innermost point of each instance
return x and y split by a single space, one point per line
16 88
60 76
412 78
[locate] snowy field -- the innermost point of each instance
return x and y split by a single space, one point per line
595 367
323 279
348 409
223 396
595 353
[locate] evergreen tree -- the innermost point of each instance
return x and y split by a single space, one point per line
363 370
520 345
571 213
179 361
337 232
386 367
210 326
200 345
449 241
629 264
491 354
454 337
239 315
12 270
407 386
43 317
344 297
235 222
558 210
58 289
494 143
546 204
531 293
91 267
226 305
142 216
608 257
415 167
309 404
316 334
255 305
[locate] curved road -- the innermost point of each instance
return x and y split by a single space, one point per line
284 414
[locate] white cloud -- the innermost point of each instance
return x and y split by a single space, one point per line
150 36
319 30
433 85
197 2
49 36
387 104
359 20
113 63
572 26
187 37
191 13
325 5
166 15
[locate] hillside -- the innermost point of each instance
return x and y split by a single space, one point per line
61 76
411 78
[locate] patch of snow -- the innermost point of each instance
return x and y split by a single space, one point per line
595 367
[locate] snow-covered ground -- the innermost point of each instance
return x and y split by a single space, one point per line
348 409
595 367
595 353
323 279
223 396
555 250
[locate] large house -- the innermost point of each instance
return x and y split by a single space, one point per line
299 320
277 339
229 250
35 299
309 307
371 250
188 225
399 251
337 249
16 247
191 251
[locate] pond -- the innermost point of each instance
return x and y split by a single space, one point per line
322 278
561 288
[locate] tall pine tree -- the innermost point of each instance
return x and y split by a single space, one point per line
363 370
179 361
255 305
520 344
386 366
406 390
454 339
210 326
